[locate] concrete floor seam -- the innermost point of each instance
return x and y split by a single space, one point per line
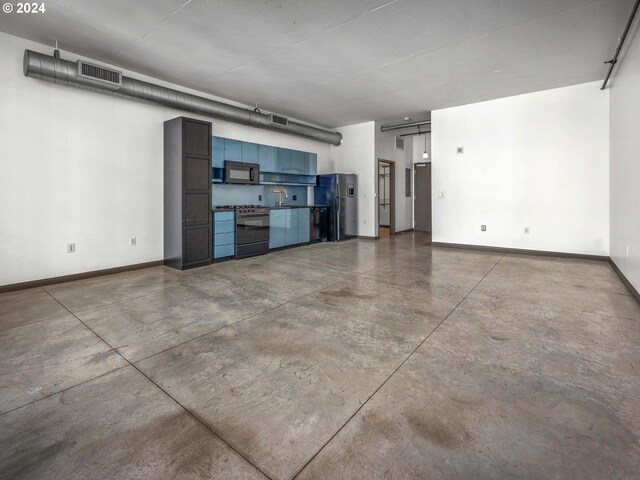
394 372
174 346
162 390
252 316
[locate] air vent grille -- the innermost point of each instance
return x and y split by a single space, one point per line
280 121
100 74
400 143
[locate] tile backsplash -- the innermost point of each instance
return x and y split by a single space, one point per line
223 194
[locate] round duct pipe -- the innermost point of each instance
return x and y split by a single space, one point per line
54 69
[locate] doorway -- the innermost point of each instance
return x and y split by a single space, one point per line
422 197
386 198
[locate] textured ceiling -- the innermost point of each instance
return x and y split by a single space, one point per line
338 62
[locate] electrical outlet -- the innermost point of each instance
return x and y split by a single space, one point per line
459 150
483 228
71 248
526 230
132 242
440 194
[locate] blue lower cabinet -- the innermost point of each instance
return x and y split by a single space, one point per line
277 227
288 226
224 234
222 251
291 230
304 225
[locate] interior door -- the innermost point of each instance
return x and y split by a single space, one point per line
422 199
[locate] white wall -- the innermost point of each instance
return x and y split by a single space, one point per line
385 149
539 160
86 168
625 161
357 155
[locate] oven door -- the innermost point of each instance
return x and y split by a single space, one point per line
252 228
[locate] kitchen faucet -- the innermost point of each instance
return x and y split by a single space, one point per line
280 191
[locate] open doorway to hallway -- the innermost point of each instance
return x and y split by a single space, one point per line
386 197
422 197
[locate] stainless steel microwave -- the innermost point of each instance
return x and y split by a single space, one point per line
240 172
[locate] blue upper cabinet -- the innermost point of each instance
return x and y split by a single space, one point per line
217 159
232 150
267 158
311 164
297 162
283 160
249 152
280 166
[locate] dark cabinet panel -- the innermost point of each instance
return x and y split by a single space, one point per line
196 173
197 245
197 209
196 138
187 193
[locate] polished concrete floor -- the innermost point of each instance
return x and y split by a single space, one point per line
358 360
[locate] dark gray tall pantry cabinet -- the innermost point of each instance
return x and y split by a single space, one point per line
187 193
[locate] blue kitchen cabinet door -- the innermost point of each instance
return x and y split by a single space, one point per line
224 231
217 159
221 251
267 158
249 152
283 160
232 150
277 226
304 224
311 164
226 216
291 227
297 162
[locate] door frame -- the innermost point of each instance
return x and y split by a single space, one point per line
392 195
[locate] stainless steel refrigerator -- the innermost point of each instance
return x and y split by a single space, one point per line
338 192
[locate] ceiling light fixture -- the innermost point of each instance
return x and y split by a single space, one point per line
406 119
425 155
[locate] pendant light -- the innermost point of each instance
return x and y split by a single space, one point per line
425 155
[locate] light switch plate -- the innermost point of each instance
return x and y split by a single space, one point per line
483 228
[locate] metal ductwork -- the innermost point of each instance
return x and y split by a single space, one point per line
107 81
400 126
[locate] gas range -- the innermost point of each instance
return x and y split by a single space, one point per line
247 209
